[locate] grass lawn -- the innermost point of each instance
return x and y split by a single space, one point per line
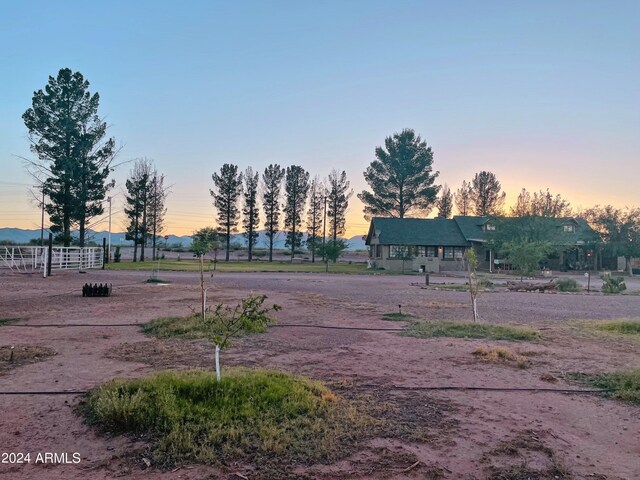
191 327
6 321
399 317
245 266
624 327
470 330
251 414
623 385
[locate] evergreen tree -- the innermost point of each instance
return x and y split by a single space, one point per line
540 204
486 195
271 184
463 199
296 184
157 210
138 187
338 194
522 208
619 230
317 194
74 158
445 203
401 178
227 188
250 211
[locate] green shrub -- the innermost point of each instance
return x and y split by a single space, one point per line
613 284
567 285
117 255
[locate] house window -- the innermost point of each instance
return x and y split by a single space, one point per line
431 252
458 253
569 228
490 227
378 251
447 253
421 251
396 251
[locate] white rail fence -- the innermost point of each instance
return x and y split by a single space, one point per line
35 259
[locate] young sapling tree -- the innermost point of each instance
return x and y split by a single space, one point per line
224 323
331 251
204 240
474 286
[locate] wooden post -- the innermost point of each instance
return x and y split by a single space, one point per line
105 255
49 254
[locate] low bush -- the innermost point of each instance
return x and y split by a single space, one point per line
567 285
613 284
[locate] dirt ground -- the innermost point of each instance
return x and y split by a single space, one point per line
475 434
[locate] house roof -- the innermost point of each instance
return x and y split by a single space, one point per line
461 230
471 227
416 231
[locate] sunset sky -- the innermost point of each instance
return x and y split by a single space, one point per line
545 94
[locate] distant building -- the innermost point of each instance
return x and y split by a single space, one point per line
439 244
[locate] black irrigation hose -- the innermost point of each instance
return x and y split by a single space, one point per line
502 389
394 387
285 325
55 325
53 392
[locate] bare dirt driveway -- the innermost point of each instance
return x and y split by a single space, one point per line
474 433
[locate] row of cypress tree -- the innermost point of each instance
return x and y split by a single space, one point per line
310 205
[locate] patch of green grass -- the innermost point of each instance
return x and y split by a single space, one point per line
457 287
399 317
623 385
470 330
180 327
250 414
7 321
624 327
244 266
156 280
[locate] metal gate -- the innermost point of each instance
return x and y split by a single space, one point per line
35 259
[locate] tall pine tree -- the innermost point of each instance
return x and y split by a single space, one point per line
486 194
317 193
296 184
156 209
74 157
463 199
338 194
445 203
138 187
250 211
401 178
271 185
227 189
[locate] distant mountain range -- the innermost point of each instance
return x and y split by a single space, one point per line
22 236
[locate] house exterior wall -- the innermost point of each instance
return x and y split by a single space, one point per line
380 257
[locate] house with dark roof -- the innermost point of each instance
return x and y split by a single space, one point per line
439 244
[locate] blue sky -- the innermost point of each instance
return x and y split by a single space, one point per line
545 94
